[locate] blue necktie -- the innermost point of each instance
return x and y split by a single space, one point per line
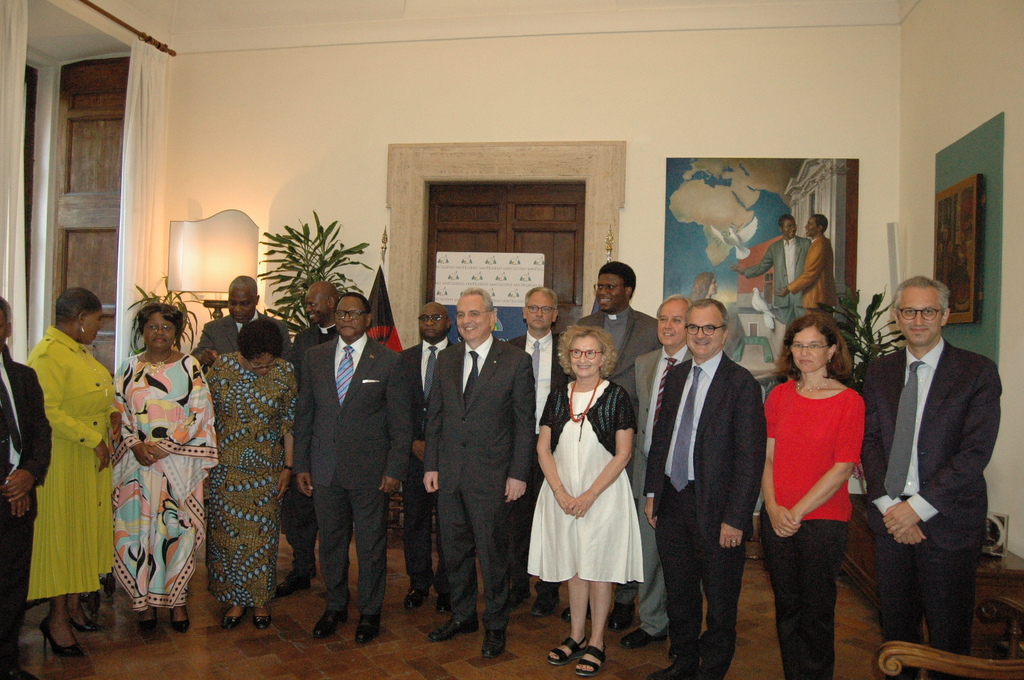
344 377
680 476
428 379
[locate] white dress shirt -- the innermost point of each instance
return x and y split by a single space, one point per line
255 315
659 370
708 369
789 248
467 363
547 347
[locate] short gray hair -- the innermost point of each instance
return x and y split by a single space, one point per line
488 302
710 302
244 282
675 297
923 282
546 291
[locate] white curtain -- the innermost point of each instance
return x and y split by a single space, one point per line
13 49
142 242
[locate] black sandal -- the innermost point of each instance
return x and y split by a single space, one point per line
576 650
588 669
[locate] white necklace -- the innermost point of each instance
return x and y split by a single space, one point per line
804 387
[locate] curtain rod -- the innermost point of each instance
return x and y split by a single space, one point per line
144 37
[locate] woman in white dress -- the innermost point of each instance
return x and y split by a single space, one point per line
585 527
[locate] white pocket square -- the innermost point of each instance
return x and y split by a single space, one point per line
370 381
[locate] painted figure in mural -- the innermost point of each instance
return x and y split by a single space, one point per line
787 257
817 282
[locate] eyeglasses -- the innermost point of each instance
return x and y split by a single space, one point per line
588 353
533 309
165 327
349 314
708 330
928 313
814 346
436 318
599 287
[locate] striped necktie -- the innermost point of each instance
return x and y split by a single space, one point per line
345 371
670 362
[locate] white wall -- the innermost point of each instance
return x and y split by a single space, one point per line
278 133
962 65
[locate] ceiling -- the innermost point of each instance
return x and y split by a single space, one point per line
63 30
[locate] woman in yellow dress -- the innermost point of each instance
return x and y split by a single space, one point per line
73 531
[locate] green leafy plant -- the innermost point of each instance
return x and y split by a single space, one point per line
868 336
175 299
300 257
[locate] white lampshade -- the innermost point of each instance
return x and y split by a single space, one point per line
205 255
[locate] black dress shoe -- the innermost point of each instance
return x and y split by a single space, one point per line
291 585
89 626
262 622
328 623
414 598
229 622
544 605
368 628
453 628
148 625
622 616
494 643
182 625
444 604
58 650
673 672
517 596
640 638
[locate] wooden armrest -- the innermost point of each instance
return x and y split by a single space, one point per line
893 656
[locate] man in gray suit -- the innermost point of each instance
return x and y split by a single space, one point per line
651 371
787 256
220 336
634 334
353 433
480 432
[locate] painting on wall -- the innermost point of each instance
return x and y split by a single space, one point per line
768 237
959 224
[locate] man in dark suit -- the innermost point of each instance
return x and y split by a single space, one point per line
932 416
540 313
220 336
298 516
651 374
24 460
480 429
786 256
634 333
703 479
418 506
353 431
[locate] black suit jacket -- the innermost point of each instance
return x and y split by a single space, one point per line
355 443
559 379
36 439
222 335
729 447
955 441
641 337
412 358
492 437
311 337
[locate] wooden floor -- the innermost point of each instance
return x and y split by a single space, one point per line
287 650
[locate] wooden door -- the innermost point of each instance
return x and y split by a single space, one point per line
90 127
521 218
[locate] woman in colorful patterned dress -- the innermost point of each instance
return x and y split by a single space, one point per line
72 531
167 448
254 393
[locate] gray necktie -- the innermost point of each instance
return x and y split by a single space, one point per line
680 476
903 439
536 362
428 380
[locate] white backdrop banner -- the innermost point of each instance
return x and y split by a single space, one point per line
506 276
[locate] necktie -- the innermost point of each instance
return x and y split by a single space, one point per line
536 362
344 377
471 381
9 420
428 379
680 476
903 438
670 362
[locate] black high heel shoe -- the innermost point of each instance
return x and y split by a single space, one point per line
89 626
58 650
229 622
148 625
180 626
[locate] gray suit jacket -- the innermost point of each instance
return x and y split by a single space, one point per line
491 438
221 335
356 443
775 257
641 337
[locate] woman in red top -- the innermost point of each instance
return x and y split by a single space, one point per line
815 430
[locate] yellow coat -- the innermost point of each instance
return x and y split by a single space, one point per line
73 542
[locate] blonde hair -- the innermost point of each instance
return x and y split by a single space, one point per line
603 338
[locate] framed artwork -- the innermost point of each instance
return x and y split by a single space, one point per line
959 224
724 239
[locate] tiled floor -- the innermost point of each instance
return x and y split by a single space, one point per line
287 650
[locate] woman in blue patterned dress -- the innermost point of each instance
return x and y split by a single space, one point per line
254 393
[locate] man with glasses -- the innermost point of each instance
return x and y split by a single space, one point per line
417 504
540 313
703 479
220 336
634 334
932 420
298 517
353 433
480 434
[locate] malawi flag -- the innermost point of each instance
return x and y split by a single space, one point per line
383 329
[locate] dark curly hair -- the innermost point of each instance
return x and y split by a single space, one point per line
169 313
260 337
840 366
74 301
